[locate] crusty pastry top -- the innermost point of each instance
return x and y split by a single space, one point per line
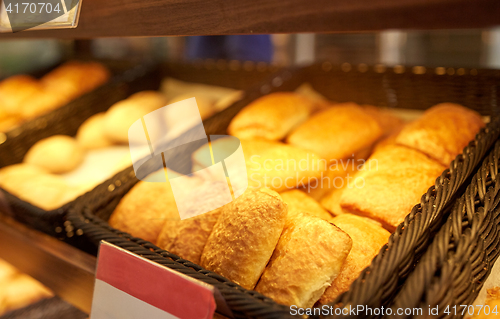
299 201
337 132
187 238
442 132
391 182
244 237
271 164
368 237
271 116
144 210
308 257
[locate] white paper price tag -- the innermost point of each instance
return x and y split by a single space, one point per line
20 15
131 287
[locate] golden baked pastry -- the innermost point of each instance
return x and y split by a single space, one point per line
309 256
204 102
269 164
123 114
368 237
56 154
391 182
91 135
7 271
75 78
331 201
271 116
244 237
15 90
41 103
144 210
187 238
298 201
389 123
337 132
442 132
34 185
336 176
21 291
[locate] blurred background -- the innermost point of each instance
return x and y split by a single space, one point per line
441 48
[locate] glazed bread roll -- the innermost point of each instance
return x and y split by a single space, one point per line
390 183
91 135
15 90
123 114
56 154
271 116
298 201
187 238
145 209
442 132
244 237
368 237
337 132
270 164
309 256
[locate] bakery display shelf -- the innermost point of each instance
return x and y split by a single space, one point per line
116 18
378 85
66 120
461 256
66 270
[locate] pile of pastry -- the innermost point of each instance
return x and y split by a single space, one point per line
18 290
22 97
327 184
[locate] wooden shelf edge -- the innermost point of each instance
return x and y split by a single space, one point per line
67 271
120 18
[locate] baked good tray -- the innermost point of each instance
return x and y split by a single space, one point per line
398 87
131 79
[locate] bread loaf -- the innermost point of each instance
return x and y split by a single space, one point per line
245 236
337 132
298 201
442 132
390 183
308 257
56 154
271 116
187 238
367 237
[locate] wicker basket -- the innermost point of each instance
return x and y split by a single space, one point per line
460 258
381 280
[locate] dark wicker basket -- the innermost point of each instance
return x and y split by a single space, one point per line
460 258
381 280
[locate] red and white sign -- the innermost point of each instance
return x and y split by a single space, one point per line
128 286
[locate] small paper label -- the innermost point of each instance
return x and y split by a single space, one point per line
130 287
